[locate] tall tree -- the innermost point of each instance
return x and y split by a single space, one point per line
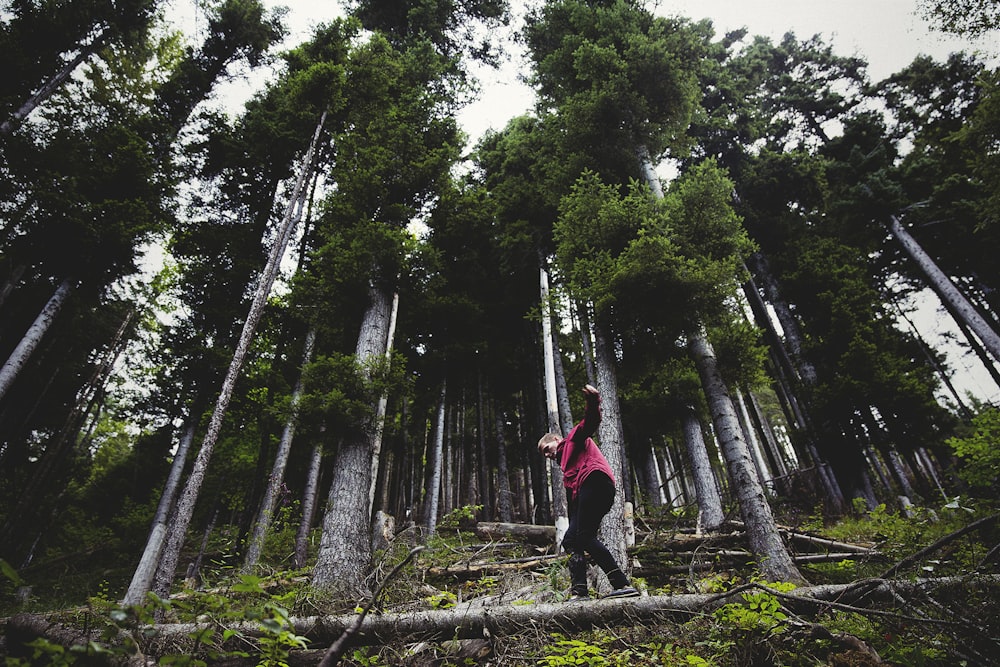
192 487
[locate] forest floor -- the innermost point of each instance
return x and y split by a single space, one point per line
887 589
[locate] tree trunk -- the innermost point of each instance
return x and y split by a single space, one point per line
142 579
705 488
29 342
559 509
436 463
946 289
186 504
612 531
653 483
505 507
762 531
53 466
789 324
308 504
482 469
477 618
585 342
194 569
929 358
345 547
778 456
51 85
753 443
277 477
382 403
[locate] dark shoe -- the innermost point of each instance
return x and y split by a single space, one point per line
578 598
627 592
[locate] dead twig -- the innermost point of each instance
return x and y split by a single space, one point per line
947 539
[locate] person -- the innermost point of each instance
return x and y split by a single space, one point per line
590 491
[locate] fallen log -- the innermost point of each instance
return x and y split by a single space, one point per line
827 544
469 621
474 570
531 533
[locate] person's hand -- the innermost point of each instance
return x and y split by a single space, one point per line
589 390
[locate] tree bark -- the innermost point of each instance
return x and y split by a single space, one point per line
29 342
559 508
946 289
477 617
436 464
753 443
308 504
142 579
345 547
382 403
705 488
277 477
762 531
612 532
505 506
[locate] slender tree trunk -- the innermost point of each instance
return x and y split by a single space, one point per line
436 463
585 341
505 507
277 477
785 373
186 503
789 323
29 342
142 579
482 469
51 85
447 466
654 483
933 362
753 443
383 402
74 434
762 531
946 289
309 495
705 488
345 547
559 509
194 569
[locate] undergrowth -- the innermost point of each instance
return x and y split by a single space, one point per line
248 619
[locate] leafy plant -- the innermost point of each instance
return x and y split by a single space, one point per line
459 516
442 600
978 451
573 652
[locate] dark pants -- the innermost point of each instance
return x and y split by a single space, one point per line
586 510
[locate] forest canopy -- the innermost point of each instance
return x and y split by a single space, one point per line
364 318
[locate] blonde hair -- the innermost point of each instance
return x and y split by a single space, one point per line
547 438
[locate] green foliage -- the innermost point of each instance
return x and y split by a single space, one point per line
966 18
978 449
460 516
364 658
442 600
564 652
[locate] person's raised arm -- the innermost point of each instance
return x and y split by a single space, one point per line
591 416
